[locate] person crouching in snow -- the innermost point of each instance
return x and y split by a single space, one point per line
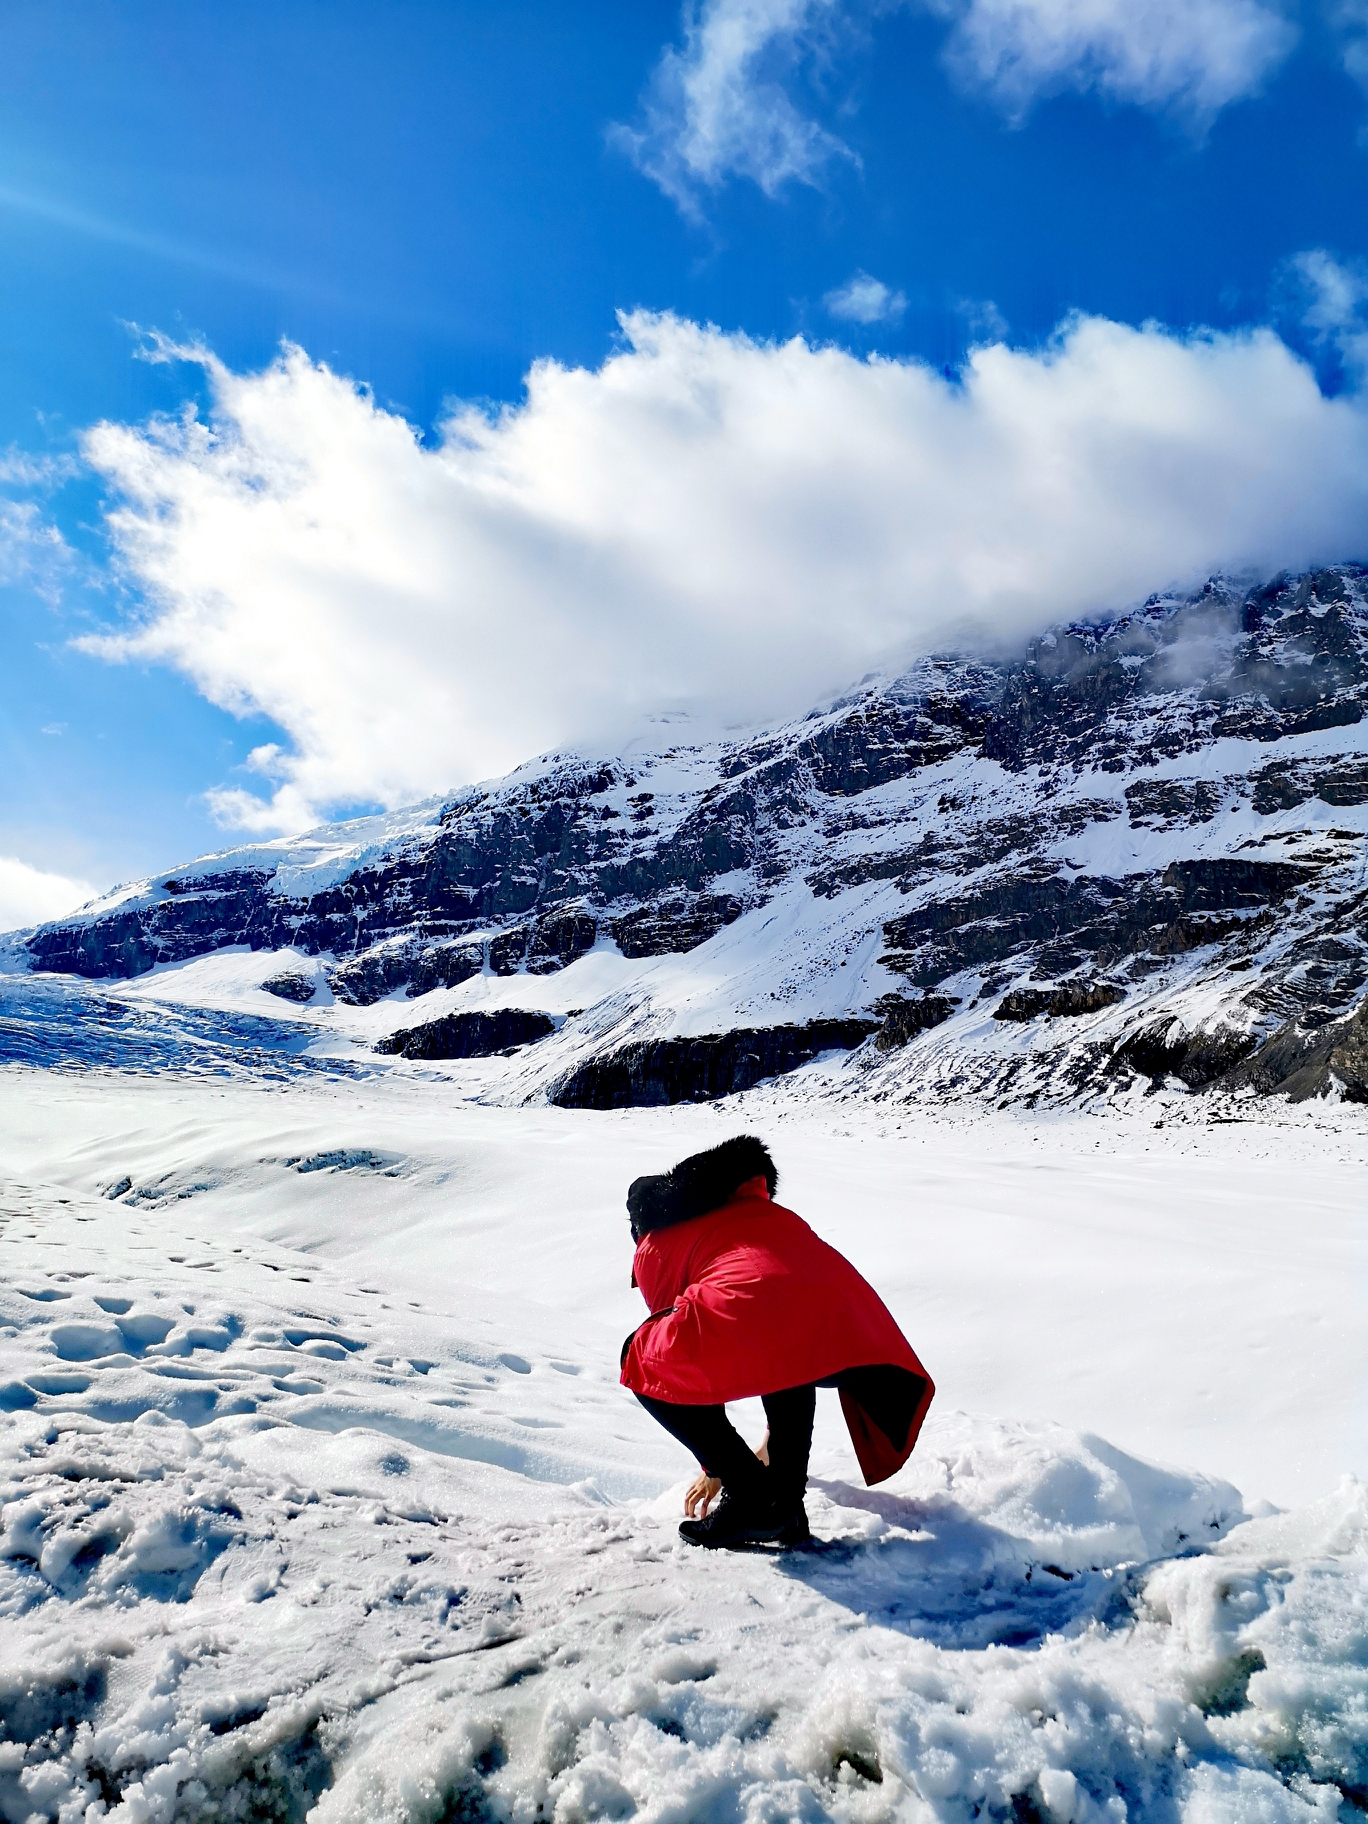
745 1299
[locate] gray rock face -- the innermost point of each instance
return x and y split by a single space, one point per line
1066 1002
1195 1058
1300 1063
1284 659
659 1072
468 1035
292 987
1173 796
903 1020
1073 921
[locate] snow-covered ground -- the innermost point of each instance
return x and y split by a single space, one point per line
320 1494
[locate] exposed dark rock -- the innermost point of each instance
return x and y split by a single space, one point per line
1194 931
1285 784
1166 1049
1345 784
1100 917
655 1072
468 1035
673 925
1300 1064
886 739
446 966
369 978
1279 660
1216 886
982 845
1280 787
1320 974
292 987
1065 1002
904 1019
559 940
1172 803
197 917
1021 1005
907 866
507 953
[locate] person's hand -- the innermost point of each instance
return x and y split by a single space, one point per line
704 1489
700 1495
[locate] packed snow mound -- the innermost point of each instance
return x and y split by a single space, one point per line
277 1544
1054 1496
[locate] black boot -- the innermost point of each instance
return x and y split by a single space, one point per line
739 1520
795 1530
790 1416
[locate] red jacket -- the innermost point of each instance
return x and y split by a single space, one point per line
748 1300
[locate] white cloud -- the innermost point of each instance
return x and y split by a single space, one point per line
863 299
983 320
28 895
722 104
719 106
1334 306
32 550
704 522
1349 21
1193 55
21 468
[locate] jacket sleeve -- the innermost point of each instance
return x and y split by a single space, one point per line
658 1273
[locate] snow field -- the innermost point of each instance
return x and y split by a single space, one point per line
318 1496
1194 1293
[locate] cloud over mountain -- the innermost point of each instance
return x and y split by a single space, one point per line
29 895
703 523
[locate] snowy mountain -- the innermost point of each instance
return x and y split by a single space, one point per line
1137 855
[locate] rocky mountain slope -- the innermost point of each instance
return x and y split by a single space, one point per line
1137 856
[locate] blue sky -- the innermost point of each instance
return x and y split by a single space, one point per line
429 199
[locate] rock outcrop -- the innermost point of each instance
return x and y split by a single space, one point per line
468 1035
904 1020
1065 1002
1300 1063
657 1072
292 986
1196 1058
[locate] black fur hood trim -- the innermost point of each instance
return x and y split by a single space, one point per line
702 1182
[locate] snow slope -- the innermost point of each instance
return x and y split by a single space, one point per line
318 1495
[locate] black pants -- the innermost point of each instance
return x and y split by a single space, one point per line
723 1452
